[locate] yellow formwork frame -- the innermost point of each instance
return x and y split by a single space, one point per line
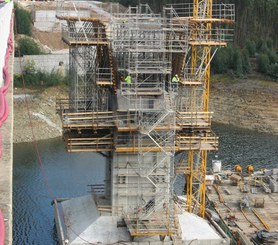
197 165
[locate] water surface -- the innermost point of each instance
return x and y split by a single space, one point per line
69 174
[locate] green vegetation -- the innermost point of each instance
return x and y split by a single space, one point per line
23 21
27 46
237 61
33 77
255 41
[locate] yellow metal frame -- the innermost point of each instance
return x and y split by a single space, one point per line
197 160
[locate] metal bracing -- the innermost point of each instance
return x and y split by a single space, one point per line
123 101
139 45
206 30
141 49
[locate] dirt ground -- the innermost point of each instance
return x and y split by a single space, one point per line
52 39
250 103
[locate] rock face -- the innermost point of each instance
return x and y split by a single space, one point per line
251 104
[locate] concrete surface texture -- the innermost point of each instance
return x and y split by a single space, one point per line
46 63
83 218
5 18
85 225
45 20
195 228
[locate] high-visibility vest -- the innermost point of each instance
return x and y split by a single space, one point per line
175 79
128 79
7 1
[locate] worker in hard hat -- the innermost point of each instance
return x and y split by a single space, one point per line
128 80
175 82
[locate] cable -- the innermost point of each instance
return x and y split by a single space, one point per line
40 162
41 165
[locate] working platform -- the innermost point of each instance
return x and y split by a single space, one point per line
79 221
247 203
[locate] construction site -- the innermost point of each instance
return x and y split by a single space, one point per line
139 96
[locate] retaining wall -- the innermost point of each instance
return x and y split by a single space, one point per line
46 63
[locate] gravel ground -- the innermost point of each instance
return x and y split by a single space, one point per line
42 110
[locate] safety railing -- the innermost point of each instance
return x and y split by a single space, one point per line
88 120
194 119
150 66
104 76
89 144
82 105
217 35
77 33
219 11
202 142
142 88
192 76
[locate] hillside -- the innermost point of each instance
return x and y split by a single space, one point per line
248 103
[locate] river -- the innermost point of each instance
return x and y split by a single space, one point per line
69 174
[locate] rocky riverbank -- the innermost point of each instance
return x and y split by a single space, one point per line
46 123
250 103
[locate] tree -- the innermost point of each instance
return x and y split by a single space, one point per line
23 21
263 63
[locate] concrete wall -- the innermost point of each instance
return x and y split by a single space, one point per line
45 20
5 19
45 63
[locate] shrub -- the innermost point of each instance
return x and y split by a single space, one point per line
263 63
23 21
251 47
246 67
40 78
273 57
262 46
219 62
237 60
273 71
27 46
269 43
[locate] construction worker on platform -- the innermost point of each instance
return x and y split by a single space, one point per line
175 82
128 80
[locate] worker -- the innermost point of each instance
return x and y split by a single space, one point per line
128 80
175 81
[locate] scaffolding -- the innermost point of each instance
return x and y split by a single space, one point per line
123 103
209 29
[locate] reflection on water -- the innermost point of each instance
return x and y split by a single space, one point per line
69 174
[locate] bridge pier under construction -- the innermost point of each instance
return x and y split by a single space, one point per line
124 104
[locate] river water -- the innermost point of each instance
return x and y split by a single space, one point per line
69 174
